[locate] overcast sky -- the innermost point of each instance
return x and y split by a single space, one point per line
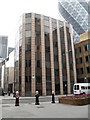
11 10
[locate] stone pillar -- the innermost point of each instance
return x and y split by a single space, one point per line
73 55
52 57
33 56
43 58
23 59
67 60
60 59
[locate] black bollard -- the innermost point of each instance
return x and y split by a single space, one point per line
2 93
37 98
8 93
17 99
53 98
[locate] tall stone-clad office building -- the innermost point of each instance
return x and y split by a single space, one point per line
46 56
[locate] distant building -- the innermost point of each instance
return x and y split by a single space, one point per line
76 13
9 73
3 46
82 50
46 60
3 53
10 49
1 59
9 85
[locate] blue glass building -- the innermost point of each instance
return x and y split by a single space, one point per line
75 12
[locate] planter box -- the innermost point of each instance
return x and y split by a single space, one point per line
79 101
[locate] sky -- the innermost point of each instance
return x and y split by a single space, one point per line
11 10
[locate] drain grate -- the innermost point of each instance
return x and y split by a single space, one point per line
40 107
5 106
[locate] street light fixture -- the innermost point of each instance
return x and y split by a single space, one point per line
33 76
85 78
66 88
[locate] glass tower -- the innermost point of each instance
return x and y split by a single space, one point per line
3 46
76 13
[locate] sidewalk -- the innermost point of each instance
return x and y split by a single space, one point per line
44 110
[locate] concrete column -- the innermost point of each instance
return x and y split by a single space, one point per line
43 58
33 56
67 60
73 55
23 59
60 59
52 57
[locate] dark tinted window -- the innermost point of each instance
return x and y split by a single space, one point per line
88 87
88 46
85 47
77 87
79 49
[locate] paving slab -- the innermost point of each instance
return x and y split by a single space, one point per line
44 110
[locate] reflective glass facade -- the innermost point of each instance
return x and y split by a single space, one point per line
75 12
45 59
3 51
3 46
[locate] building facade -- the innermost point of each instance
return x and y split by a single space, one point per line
9 86
82 50
9 73
3 46
10 49
76 12
3 53
46 60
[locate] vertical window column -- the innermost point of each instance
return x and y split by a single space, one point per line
43 58
33 56
52 57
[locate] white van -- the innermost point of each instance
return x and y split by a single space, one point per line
81 88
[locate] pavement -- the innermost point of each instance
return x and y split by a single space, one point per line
44 110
